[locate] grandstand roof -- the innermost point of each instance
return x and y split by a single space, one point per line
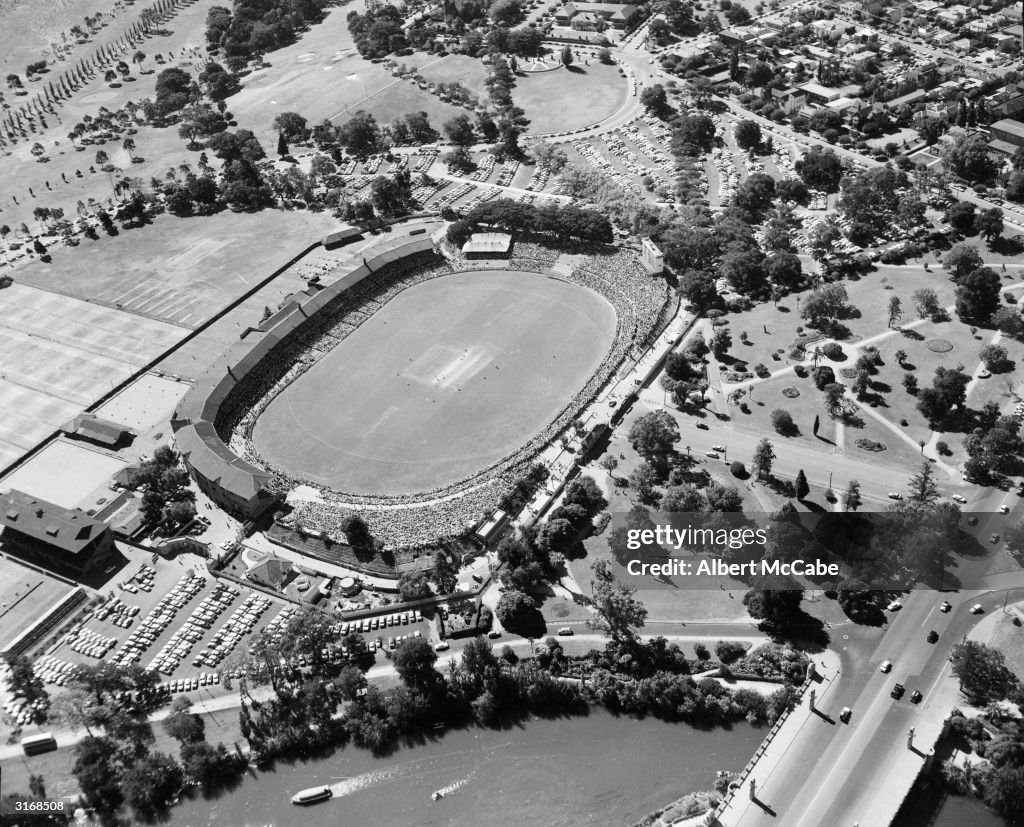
488 243
63 528
207 454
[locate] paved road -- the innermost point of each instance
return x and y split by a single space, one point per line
831 773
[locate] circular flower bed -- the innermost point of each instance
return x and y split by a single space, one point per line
790 393
870 445
940 345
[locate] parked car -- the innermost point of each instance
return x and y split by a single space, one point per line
703 426
932 636
566 631
895 495
897 691
977 609
886 666
945 606
1004 509
993 537
895 606
915 696
960 498
712 454
844 716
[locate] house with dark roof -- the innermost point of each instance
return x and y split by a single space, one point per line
272 573
63 540
92 428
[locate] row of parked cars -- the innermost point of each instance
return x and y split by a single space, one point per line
192 630
189 684
53 670
241 621
370 624
120 613
91 643
157 620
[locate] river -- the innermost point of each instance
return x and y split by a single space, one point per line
569 772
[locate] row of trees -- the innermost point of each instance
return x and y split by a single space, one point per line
529 220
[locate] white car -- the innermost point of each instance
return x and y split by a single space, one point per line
895 606
895 495
977 609
718 448
886 666
1004 509
712 454
960 498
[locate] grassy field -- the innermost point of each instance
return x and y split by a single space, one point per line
565 99
179 270
1008 638
469 369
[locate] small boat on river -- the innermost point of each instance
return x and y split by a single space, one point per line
313 795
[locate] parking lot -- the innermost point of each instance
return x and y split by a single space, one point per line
175 620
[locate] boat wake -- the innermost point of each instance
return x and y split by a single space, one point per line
455 785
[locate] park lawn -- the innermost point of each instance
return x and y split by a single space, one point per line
323 76
159 149
870 295
1008 638
569 98
898 452
179 269
767 397
469 71
895 404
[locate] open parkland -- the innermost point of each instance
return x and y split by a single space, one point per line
319 349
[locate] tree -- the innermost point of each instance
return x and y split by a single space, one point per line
643 481
820 169
969 158
747 134
95 769
775 600
517 611
825 306
655 100
413 585
926 302
357 534
785 270
1004 790
721 341
446 576
182 725
761 462
994 357
782 422
977 295
566 55
802 488
989 223
895 310
414 661
506 12
1013 536
851 497
960 216
654 436
292 125
200 121
151 783
211 767
982 672
460 130
360 134
961 260
698 288
948 391
619 613
922 488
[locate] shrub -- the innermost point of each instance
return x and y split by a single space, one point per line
833 351
738 469
701 651
730 651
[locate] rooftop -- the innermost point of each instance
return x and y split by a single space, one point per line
65 528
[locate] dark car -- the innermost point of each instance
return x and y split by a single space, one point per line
933 636
897 691
703 426
915 696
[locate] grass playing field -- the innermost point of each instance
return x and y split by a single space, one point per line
449 377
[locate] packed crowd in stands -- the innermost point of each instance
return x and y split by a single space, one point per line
406 521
